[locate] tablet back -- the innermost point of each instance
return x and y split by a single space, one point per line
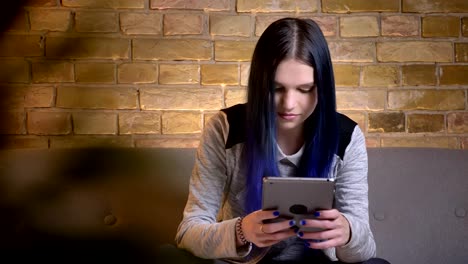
295 197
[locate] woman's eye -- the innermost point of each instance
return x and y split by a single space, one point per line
279 89
306 90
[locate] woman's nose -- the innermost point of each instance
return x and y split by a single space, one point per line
288 100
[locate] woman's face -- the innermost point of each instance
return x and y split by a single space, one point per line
295 94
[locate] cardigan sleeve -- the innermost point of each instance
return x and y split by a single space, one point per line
351 199
200 232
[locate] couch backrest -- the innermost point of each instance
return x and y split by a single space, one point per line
419 204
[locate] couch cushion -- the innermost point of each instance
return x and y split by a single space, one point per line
419 204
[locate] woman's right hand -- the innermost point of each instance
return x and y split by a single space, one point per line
265 235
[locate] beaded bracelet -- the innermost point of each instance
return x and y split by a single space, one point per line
239 231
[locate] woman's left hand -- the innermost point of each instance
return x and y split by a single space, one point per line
337 231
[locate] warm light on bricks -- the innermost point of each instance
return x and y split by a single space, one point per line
138 73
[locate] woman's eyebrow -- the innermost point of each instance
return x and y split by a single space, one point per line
309 84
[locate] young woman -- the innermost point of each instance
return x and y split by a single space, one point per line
289 127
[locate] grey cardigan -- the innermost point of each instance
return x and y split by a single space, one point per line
217 192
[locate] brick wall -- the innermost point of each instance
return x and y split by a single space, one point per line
150 73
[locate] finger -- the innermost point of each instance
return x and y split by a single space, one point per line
320 224
270 239
322 244
318 236
266 214
327 214
271 228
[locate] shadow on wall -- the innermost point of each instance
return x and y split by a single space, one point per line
8 13
55 206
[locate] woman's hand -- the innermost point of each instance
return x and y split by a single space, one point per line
264 235
337 231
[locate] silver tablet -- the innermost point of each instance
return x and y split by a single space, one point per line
297 198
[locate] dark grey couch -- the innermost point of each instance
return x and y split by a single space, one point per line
124 203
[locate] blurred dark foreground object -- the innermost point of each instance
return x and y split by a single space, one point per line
108 205
81 205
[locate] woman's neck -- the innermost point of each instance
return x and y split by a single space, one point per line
290 141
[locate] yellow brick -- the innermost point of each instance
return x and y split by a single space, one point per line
169 49
137 73
258 6
326 23
97 97
94 123
183 24
245 72
140 23
25 142
88 48
357 117
114 4
179 98
420 142
440 26
346 74
347 6
39 96
420 123
263 21
454 75
179 74
377 75
418 75
222 74
464 143
53 72
458 122
91 141
181 123
434 6
167 142
13 123
95 72
20 97
426 100
21 46
465 26
400 26
359 26
461 52
208 5
16 70
361 100
49 19
344 51
416 51
227 25
96 22
372 142
235 96
140 123
41 3
386 122
49 123
234 50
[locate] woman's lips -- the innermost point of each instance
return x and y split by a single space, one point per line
287 116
